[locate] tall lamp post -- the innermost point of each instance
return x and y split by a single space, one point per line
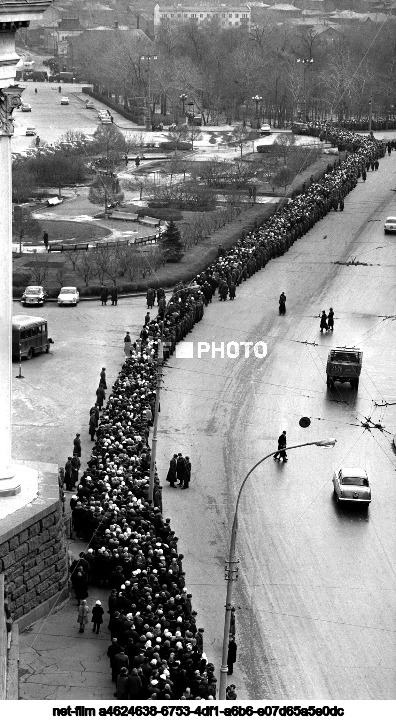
149 58
306 62
257 99
231 566
183 98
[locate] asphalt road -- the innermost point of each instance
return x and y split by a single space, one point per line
316 592
316 605
51 119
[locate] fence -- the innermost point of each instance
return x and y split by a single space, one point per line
56 247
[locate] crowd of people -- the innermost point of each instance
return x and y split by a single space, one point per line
156 650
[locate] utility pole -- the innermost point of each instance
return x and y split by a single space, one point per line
160 359
370 112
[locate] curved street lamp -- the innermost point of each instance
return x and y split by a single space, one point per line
231 566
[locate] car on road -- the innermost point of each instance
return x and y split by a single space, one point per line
351 485
68 296
344 365
34 295
89 105
30 131
390 224
265 129
106 120
64 100
26 108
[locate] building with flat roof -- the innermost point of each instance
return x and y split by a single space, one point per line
226 15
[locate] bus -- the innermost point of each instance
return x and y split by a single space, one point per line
29 336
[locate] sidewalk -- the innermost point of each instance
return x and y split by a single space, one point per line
57 662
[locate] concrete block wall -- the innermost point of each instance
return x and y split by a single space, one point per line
33 554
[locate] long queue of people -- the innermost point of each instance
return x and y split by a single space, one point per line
132 548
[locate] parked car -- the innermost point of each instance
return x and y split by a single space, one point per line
34 295
26 108
64 100
390 224
30 131
68 296
351 485
89 105
265 129
106 120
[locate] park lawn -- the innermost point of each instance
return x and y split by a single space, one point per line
74 231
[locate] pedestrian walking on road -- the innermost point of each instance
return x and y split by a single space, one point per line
254 193
364 175
187 472
97 617
127 344
147 319
330 319
82 618
77 445
282 443
231 655
323 321
150 297
45 238
104 294
114 295
180 469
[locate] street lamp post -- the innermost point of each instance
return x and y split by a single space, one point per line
305 63
183 98
257 99
231 566
149 58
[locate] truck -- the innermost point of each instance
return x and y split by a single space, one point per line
344 365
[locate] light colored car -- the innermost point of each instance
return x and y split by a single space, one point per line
64 100
34 295
30 131
68 296
265 129
390 224
89 105
351 485
106 120
26 108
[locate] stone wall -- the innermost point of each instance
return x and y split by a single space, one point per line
33 553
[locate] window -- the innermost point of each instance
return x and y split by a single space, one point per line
223 15
201 15
237 15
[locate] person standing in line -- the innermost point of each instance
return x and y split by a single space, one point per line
100 396
231 655
97 617
330 319
68 474
282 444
77 446
82 618
102 379
127 345
92 425
45 239
75 464
147 318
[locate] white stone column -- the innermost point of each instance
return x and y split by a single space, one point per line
6 471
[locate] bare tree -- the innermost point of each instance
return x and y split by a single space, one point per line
85 267
40 269
72 256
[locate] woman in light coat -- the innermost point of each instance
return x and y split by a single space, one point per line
82 618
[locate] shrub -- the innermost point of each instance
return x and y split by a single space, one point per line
172 145
163 213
